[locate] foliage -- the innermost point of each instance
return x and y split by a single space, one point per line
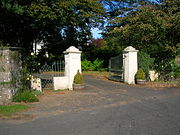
65 23
145 62
14 24
58 23
25 96
10 109
174 71
116 8
24 80
98 49
78 78
86 65
140 75
32 62
92 66
36 92
99 43
151 28
97 64
5 83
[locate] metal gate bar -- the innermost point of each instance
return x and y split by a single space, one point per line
116 68
48 71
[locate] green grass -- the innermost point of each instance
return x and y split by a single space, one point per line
25 96
4 83
175 83
98 73
36 92
10 109
60 90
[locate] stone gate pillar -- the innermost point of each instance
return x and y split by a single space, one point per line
130 64
72 64
10 73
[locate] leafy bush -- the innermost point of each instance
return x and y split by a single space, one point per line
36 92
92 66
177 72
78 79
140 75
86 65
174 70
97 64
145 62
25 96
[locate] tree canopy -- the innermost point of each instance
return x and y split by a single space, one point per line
58 23
152 28
14 23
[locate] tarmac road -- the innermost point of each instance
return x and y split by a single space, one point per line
105 108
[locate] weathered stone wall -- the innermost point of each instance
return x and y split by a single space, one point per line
5 94
10 73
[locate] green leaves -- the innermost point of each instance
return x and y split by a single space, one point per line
78 78
25 96
152 28
145 62
63 23
71 12
59 23
140 75
96 65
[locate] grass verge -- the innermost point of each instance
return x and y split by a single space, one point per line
11 109
164 84
98 73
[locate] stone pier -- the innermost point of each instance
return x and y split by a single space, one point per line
10 72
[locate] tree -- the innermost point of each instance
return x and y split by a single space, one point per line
116 8
58 23
152 28
62 23
14 23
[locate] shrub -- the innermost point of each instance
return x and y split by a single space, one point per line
91 66
145 62
174 70
36 92
86 65
177 72
78 79
25 96
97 64
140 75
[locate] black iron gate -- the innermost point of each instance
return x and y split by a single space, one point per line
48 71
116 68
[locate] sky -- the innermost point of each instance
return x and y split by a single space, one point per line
96 33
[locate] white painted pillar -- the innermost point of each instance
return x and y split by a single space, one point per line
130 64
36 83
72 64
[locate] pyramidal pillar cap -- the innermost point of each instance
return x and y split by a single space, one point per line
72 49
130 49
